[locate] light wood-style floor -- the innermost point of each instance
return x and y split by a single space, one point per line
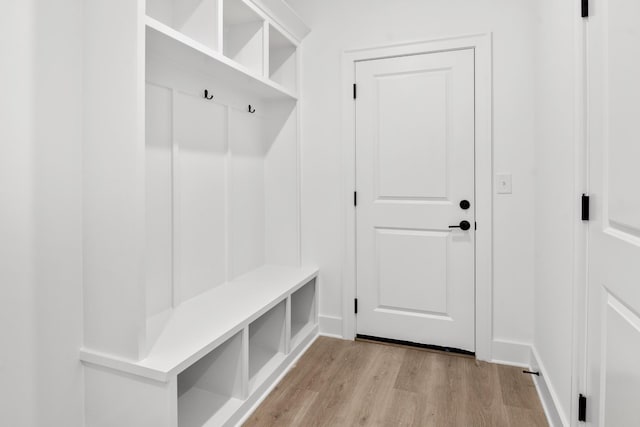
346 383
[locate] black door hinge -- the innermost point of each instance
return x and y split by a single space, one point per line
355 92
585 8
582 408
355 305
355 198
585 207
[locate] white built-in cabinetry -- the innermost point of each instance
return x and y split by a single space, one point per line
194 294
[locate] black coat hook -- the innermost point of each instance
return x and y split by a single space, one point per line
251 110
206 95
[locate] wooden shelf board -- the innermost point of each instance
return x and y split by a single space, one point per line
202 323
166 42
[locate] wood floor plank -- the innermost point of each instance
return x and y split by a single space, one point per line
374 391
411 375
525 417
404 408
347 383
287 408
320 363
339 387
517 388
484 395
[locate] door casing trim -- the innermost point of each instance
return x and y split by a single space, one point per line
482 46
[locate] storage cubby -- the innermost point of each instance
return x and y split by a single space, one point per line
243 35
192 211
197 19
303 311
266 344
282 60
221 189
210 390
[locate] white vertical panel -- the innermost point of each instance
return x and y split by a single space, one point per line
613 328
246 192
281 169
159 239
132 401
200 134
113 177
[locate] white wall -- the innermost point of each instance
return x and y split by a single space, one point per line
338 25
40 220
17 252
555 195
40 146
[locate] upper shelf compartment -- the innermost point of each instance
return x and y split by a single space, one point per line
199 20
167 42
282 59
244 35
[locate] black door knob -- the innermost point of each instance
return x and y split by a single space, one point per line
464 225
464 204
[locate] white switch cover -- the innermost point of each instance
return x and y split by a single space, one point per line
504 183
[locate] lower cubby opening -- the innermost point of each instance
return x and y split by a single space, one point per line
210 390
302 311
266 345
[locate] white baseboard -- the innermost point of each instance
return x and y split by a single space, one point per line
330 326
524 355
511 353
548 396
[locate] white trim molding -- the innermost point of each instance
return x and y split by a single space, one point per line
482 46
331 326
580 228
512 353
524 355
285 18
546 392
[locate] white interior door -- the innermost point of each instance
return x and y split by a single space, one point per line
414 169
613 332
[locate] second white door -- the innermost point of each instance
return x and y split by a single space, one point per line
415 181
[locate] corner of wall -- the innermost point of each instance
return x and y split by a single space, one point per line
331 326
513 353
547 394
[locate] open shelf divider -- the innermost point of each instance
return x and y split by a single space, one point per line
166 42
303 311
266 344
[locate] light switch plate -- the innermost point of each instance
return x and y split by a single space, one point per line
503 183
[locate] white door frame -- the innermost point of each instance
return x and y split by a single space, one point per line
481 43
